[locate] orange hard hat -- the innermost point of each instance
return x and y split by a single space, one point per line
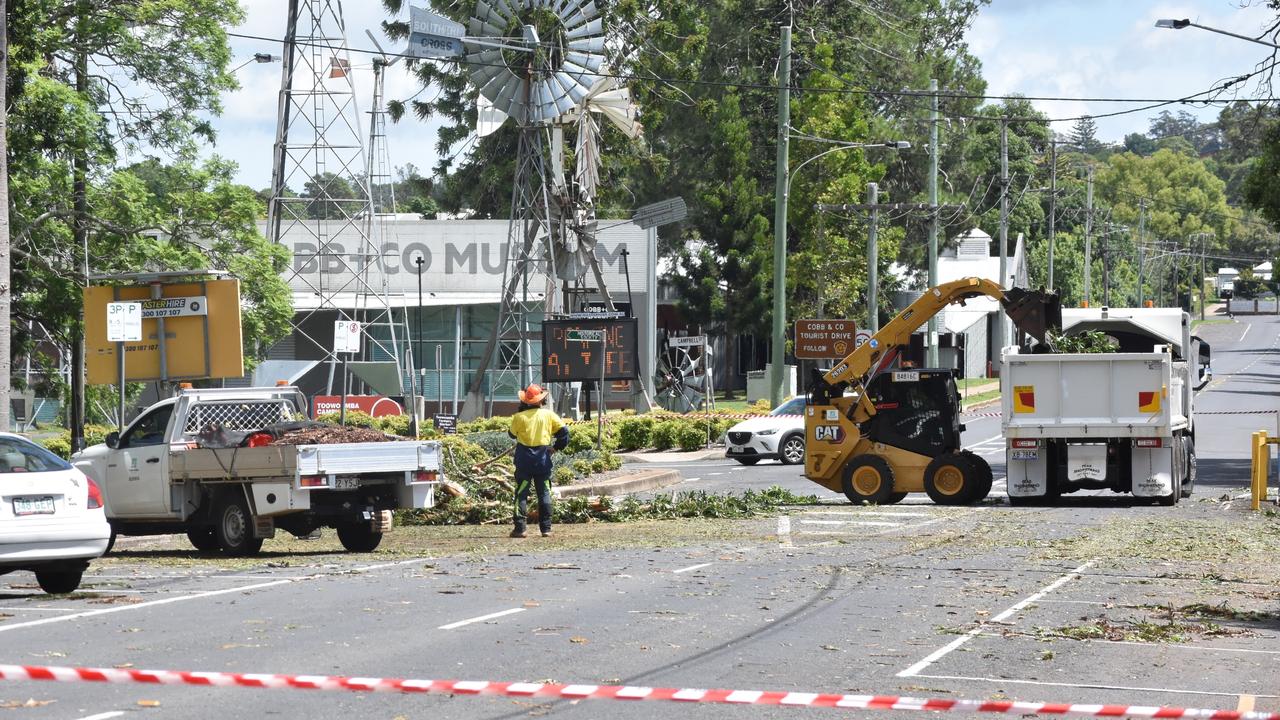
532 395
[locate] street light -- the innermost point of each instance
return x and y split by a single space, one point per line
258 58
1169 24
778 356
419 261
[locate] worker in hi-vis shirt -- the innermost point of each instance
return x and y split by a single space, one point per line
538 433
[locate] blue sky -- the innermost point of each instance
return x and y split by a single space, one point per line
1060 48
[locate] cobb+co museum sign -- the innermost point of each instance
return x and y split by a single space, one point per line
458 255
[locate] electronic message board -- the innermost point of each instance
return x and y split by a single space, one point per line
565 360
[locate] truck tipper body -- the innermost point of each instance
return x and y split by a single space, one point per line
1122 421
172 471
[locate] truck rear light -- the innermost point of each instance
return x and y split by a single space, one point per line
1026 443
425 476
1149 442
313 481
95 494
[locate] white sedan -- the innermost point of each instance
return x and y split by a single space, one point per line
780 435
51 517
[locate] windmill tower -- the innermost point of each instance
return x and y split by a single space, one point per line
540 64
321 196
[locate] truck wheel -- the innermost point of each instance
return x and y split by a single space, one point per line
203 539
359 537
59 582
983 474
868 479
791 451
1190 485
950 479
234 527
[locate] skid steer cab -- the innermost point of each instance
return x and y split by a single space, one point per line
910 444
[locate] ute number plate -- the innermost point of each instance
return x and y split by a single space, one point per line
346 483
1026 454
33 506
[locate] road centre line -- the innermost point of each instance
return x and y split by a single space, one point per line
482 618
1089 685
201 595
691 568
1012 610
866 523
872 513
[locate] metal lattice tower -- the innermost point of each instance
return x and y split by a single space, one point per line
320 144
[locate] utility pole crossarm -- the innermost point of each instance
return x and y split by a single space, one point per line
867 207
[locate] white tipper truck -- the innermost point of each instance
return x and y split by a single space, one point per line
156 477
1122 421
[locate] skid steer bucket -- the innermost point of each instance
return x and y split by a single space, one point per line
1034 312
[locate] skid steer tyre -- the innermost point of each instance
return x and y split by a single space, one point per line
868 479
984 475
951 479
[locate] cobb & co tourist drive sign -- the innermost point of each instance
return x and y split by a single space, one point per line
824 339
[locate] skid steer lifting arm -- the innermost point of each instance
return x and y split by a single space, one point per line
1033 312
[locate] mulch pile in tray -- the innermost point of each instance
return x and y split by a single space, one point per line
332 434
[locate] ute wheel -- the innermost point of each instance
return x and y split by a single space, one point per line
791 451
359 537
59 582
203 539
950 479
234 526
748 461
982 473
868 479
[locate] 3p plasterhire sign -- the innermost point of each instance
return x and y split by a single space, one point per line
556 691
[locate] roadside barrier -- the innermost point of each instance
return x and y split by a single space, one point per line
555 691
1260 467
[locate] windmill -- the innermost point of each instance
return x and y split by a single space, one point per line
542 63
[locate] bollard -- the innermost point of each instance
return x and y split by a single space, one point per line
1259 467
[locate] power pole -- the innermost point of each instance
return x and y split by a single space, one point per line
778 351
5 275
1001 332
873 270
1200 280
1088 238
931 341
80 229
1053 204
1142 237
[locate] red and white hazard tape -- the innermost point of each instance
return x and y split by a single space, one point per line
553 691
981 415
1237 412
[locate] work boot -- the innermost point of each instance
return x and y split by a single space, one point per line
546 533
517 533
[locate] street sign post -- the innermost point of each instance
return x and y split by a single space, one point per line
124 324
346 340
824 339
688 341
434 36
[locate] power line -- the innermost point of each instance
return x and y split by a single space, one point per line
1152 103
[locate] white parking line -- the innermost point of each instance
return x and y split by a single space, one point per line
104 716
784 531
482 618
691 568
984 442
200 595
873 513
1012 610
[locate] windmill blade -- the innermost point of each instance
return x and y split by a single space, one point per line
480 28
488 117
503 101
595 27
577 91
587 12
590 61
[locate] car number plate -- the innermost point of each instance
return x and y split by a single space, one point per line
1026 454
346 483
33 506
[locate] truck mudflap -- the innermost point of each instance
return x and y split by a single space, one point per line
1152 471
1027 472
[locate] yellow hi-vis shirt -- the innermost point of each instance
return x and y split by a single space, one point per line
535 427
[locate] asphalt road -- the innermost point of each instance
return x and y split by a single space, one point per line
981 602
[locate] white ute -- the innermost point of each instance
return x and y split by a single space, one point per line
157 478
1121 421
